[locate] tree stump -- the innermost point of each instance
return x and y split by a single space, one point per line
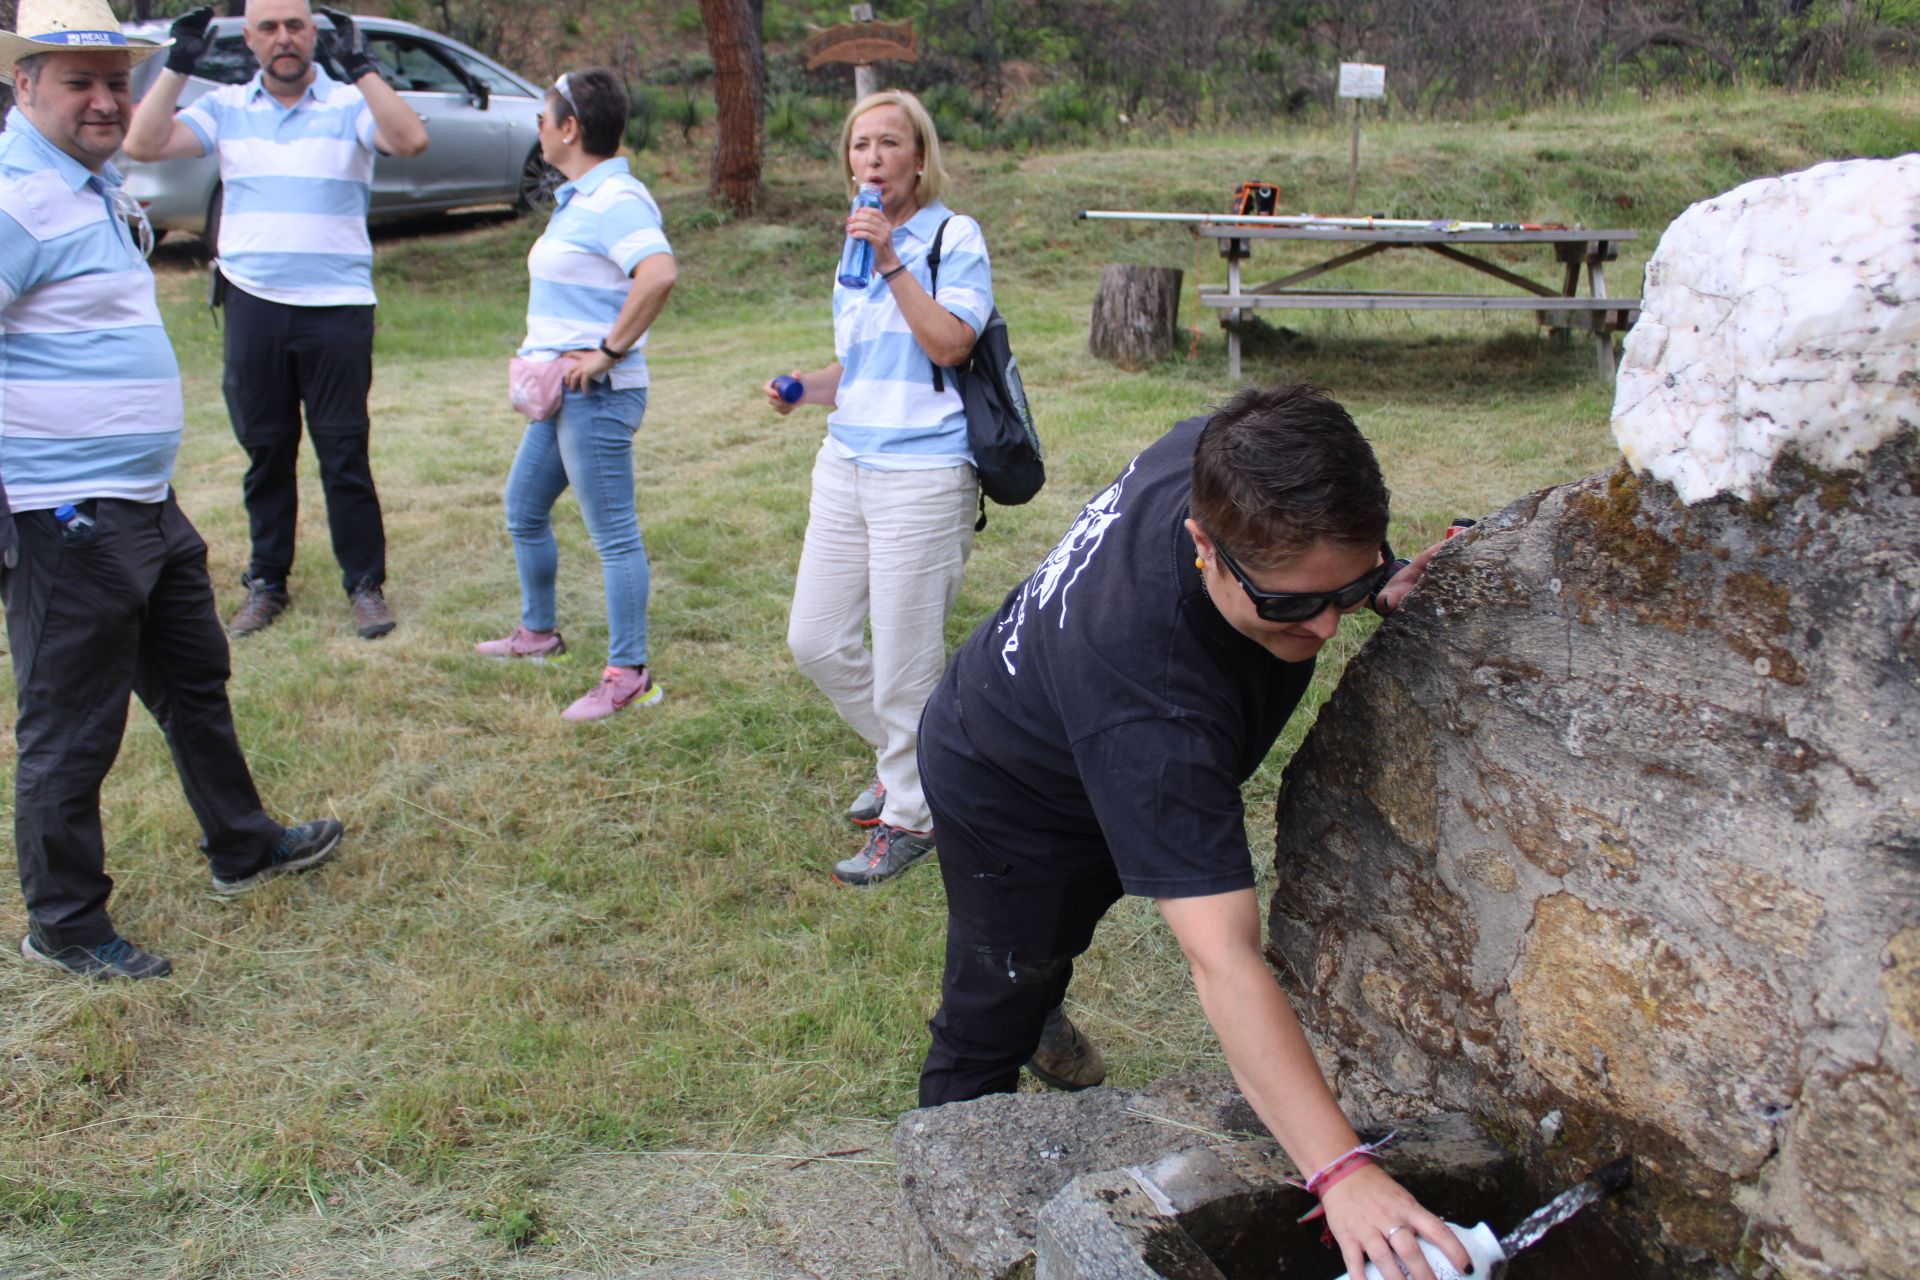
1135 314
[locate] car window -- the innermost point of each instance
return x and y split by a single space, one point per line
496 81
226 61
412 66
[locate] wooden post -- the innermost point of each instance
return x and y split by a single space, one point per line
866 81
1353 163
1136 315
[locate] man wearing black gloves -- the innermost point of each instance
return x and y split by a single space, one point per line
296 150
1091 738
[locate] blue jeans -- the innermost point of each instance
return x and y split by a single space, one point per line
588 444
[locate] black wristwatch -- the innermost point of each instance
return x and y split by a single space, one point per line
610 353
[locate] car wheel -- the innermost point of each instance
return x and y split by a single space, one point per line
538 181
215 203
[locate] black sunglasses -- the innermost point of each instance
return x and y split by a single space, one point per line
1298 606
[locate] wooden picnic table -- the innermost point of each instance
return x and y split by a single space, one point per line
1560 308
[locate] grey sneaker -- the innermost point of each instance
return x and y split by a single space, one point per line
1066 1059
115 958
866 809
372 617
307 845
263 604
890 850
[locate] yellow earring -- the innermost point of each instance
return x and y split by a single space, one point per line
1200 562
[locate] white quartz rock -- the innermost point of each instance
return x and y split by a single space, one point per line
1781 316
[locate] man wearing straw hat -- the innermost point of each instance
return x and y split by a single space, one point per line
104 579
296 150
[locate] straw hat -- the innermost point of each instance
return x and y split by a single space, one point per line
68 26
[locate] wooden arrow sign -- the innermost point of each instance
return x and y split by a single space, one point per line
861 42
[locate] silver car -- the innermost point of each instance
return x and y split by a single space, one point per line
485 146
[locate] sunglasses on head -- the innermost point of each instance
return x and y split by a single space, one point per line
1298 606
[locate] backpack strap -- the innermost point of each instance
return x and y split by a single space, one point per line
933 290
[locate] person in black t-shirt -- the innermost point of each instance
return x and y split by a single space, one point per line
1091 738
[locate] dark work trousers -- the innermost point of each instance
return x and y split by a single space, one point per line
129 610
279 358
1012 937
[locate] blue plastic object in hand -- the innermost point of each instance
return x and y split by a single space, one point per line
856 260
789 388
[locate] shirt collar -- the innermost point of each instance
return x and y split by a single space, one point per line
589 182
926 221
322 88
71 171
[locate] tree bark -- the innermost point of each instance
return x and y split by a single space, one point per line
733 37
1135 314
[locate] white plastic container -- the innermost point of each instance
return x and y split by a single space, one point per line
1482 1246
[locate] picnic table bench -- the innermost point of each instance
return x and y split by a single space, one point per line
1563 308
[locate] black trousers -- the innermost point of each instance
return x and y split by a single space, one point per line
129 610
1012 937
280 358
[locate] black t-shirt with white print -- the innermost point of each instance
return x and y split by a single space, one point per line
1107 713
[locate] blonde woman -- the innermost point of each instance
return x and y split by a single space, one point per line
890 519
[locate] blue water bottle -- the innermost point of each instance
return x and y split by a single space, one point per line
856 260
789 388
76 526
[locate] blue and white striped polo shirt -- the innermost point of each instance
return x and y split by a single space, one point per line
90 401
298 181
604 224
888 416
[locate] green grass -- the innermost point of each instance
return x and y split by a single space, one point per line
546 951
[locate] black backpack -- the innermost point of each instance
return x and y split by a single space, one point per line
1000 432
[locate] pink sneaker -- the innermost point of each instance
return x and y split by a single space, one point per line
619 688
537 645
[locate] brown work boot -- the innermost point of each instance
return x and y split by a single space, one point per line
371 616
1066 1059
263 604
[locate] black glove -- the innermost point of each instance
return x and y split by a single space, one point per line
345 46
189 40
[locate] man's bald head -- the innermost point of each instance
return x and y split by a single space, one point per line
272 9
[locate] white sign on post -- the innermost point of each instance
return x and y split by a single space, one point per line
1362 80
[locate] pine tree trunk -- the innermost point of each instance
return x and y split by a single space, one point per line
733 37
1135 314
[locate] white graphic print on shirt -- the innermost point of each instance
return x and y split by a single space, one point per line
1062 567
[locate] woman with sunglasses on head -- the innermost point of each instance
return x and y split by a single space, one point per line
1090 740
890 520
600 273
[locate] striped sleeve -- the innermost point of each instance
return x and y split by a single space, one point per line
365 126
630 232
203 117
966 277
18 250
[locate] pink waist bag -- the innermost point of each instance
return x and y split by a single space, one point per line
536 386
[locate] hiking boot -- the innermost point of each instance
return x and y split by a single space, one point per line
115 958
890 850
619 688
371 616
1066 1059
307 845
535 646
866 808
265 601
